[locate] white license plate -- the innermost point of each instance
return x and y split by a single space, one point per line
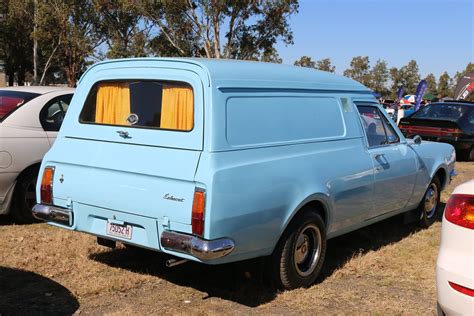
117 230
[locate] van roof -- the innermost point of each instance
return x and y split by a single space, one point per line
255 74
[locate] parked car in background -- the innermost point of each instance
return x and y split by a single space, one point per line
449 122
218 161
30 118
455 265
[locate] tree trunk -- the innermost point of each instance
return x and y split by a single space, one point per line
21 76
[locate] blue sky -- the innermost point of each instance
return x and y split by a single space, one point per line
438 34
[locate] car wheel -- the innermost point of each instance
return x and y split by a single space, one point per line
299 256
24 198
430 204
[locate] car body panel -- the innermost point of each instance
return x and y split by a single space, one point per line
23 141
254 188
455 263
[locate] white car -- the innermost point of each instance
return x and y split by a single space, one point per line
455 265
30 118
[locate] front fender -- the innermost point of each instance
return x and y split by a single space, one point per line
432 158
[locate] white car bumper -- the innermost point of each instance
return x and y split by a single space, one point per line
456 265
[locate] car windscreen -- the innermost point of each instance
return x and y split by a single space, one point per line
450 112
11 100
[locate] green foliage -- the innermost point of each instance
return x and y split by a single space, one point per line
445 85
379 75
431 86
245 29
16 46
305 61
359 70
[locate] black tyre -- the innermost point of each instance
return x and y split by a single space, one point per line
429 205
299 255
24 198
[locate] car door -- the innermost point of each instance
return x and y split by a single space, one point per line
52 115
394 162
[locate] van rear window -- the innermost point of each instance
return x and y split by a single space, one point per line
142 104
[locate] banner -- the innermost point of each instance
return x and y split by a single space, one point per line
420 91
400 93
464 87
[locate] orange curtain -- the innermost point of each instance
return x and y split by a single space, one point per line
177 108
113 104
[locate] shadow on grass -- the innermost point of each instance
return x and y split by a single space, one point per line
243 282
23 292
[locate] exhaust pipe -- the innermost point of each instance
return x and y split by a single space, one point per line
175 262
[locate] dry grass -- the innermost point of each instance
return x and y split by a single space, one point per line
387 268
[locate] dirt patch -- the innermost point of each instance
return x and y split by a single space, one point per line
384 268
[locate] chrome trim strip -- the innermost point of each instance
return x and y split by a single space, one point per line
204 250
53 214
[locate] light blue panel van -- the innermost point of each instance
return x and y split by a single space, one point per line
218 161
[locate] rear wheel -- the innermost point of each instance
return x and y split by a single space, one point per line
430 204
24 198
299 256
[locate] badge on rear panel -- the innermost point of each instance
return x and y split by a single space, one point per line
132 119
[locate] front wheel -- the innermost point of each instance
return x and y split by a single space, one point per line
299 256
430 204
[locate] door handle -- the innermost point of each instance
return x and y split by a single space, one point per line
378 156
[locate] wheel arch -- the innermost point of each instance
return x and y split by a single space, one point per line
319 202
442 174
31 168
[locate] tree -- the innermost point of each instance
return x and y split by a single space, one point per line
359 70
444 85
409 76
16 46
305 61
379 76
325 65
395 77
123 26
66 31
246 29
431 84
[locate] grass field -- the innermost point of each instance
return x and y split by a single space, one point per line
386 268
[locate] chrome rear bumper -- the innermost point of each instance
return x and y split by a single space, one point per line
204 250
53 214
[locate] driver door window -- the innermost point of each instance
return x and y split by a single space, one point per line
377 128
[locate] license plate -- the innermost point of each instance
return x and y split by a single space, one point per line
117 230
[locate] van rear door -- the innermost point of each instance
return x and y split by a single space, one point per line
131 142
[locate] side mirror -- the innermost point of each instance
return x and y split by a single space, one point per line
417 139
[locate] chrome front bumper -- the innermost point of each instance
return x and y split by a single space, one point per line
53 214
204 250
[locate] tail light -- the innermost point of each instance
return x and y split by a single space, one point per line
47 186
460 210
197 218
462 289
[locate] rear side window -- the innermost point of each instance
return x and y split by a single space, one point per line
11 100
141 104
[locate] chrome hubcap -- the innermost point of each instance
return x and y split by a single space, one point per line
431 200
307 250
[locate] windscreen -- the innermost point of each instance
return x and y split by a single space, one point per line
437 111
141 104
11 100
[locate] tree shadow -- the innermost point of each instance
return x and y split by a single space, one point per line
24 292
244 282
